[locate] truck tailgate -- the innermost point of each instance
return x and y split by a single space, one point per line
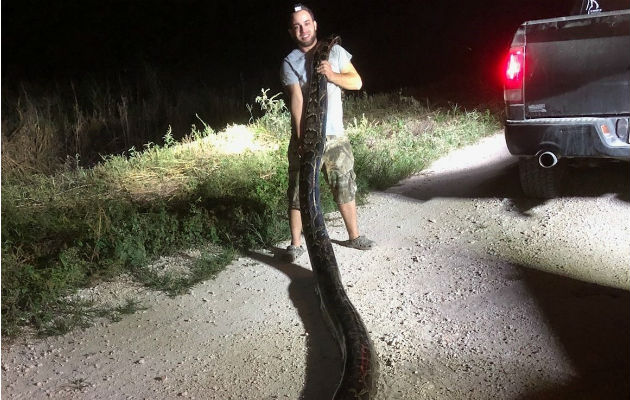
578 66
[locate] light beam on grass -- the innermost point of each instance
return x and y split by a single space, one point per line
236 139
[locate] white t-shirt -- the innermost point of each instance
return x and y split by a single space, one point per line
296 68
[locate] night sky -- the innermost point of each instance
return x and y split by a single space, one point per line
395 43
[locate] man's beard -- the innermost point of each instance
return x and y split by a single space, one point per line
308 43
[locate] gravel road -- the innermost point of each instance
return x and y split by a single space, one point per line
472 293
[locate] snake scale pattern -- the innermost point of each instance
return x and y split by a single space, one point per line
360 365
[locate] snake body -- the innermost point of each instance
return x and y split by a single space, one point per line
360 365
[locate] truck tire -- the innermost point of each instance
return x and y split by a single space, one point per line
539 182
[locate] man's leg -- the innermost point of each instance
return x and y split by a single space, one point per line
295 224
349 214
295 249
295 219
338 163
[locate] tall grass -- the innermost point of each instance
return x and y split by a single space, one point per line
45 129
76 226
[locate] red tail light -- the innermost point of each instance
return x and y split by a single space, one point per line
514 73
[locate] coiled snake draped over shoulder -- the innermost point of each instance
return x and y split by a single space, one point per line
360 367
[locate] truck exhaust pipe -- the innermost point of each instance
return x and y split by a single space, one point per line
547 159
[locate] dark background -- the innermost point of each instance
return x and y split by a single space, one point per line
395 44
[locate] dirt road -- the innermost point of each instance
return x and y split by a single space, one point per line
472 293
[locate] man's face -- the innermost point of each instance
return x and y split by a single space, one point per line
303 29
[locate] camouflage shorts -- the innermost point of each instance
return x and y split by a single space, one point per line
337 169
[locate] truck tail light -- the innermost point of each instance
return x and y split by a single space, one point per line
514 74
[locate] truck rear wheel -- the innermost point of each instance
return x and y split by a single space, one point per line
539 182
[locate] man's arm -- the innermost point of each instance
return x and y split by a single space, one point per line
294 92
348 78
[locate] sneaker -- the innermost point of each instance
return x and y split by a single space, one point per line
360 243
293 252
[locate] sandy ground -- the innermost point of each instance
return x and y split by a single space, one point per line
472 293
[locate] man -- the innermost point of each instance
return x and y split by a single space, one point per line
337 161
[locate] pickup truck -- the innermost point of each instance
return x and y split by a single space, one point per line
567 94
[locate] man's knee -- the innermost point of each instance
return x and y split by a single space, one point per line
344 188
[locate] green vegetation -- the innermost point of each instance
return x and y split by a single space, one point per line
219 191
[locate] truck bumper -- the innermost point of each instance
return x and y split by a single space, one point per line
569 137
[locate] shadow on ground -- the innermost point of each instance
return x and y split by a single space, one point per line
322 373
500 179
592 323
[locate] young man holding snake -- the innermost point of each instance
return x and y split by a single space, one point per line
337 160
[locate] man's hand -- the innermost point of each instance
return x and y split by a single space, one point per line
325 69
348 78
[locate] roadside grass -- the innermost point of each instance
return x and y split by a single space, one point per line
222 192
394 136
